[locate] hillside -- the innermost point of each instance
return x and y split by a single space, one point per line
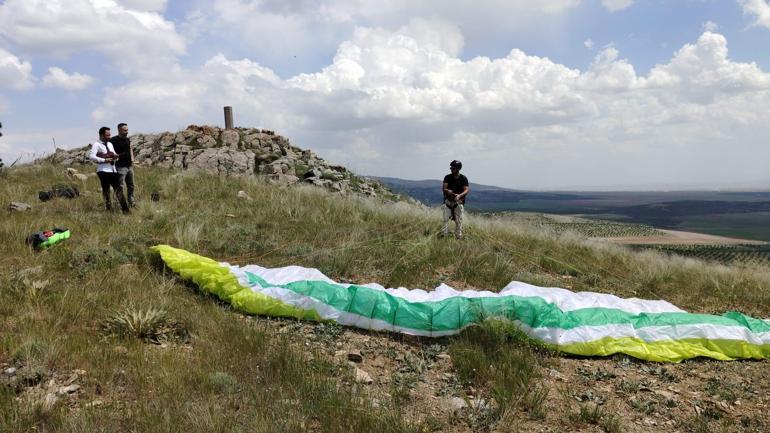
741 214
97 336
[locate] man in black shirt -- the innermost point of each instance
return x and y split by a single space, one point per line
124 164
455 188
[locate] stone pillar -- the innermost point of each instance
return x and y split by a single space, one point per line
228 117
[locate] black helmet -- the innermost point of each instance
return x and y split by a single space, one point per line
456 164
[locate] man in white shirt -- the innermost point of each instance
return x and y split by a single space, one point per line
103 154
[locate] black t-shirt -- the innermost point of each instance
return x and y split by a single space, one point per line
122 146
457 185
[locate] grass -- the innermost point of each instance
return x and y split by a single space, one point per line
98 301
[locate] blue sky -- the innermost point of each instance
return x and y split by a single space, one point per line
560 94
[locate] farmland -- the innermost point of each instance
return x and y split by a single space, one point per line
725 254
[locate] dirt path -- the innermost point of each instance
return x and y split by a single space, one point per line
675 237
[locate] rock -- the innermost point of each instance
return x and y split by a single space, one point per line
355 356
243 195
120 350
457 403
69 389
71 172
230 138
49 401
18 206
80 177
11 371
312 173
363 377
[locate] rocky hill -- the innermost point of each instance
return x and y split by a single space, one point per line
240 151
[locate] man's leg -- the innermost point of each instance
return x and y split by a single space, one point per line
115 181
459 214
127 179
447 217
104 179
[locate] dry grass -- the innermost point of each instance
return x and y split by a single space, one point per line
231 374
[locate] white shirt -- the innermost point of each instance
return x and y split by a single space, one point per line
102 164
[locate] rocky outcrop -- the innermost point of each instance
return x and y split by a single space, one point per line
239 151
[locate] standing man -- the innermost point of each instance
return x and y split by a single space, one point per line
124 164
103 154
455 188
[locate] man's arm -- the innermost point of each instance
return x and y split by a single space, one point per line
123 153
93 157
466 190
445 189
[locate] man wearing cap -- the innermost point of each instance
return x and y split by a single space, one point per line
455 188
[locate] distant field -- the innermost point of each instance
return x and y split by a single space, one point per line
590 228
725 254
748 226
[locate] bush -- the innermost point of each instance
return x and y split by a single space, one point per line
152 325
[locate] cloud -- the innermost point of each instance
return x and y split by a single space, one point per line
617 5
57 77
14 73
405 100
145 5
137 42
760 9
588 43
277 31
710 26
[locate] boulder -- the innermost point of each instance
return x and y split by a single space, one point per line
19 207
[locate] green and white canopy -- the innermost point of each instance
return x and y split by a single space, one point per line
585 323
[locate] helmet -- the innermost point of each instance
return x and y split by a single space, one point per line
456 164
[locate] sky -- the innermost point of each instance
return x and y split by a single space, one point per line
528 94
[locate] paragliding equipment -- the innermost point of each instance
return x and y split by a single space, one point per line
48 238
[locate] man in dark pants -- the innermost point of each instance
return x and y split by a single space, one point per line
455 187
124 164
103 154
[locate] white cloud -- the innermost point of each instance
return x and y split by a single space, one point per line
277 31
759 8
137 42
14 73
404 100
145 5
57 77
617 5
588 43
710 26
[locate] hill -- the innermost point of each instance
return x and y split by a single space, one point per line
238 152
730 213
96 336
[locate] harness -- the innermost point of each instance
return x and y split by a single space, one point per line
452 205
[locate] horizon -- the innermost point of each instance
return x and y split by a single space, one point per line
574 95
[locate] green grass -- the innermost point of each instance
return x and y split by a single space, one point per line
88 305
753 225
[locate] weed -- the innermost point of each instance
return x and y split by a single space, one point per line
628 386
152 325
34 352
588 413
499 355
646 407
611 424
222 383
591 375
328 333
